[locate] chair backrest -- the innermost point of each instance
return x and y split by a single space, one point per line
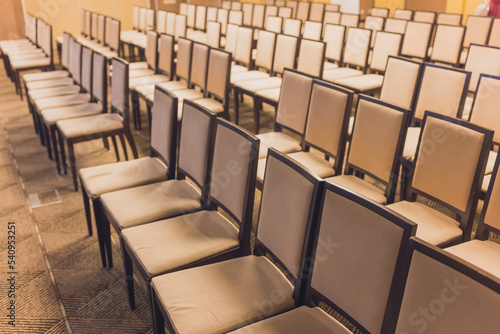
213 34
280 3
293 5
211 14
87 69
313 30
170 23
201 18
401 80
161 21
334 38
164 128
489 220
311 57
468 294
349 20
386 44
75 59
377 141
494 39
317 12
285 54
120 88
332 7
331 18
355 239
395 25
482 59
199 65
114 41
405 14
143 19
417 39
285 12
449 19
231 38
166 55
65 50
233 174
357 47
448 44
274 24
191 15
235 17
292 27
303 9
258 16
95 25
374 23
327 121
100 79
484 110
424 16
150 19
247 9
380 12
265 50
222 17
135 17
88 22
448 144
101 27
183 8
270 11
219 70
152 49
442 90
294 99
226 4
243 52
196 142
236 5
184 57
287 215
478 30
180 26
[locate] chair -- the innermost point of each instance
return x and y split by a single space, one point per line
405 14
417 40
190 16
292 27
229 287
331 18
180 27
395 25
355 238
213 34
376 147
303 9
258 16
312 30
380 12
161 21
247 9
424 16
334 37
231 38
151 53
226 4
270 11
332 8
445 143
349 20
212 14
478 31
236 5
285 12
235 17
449 19
316 12
447 46
274 24
222 18
205 236
242 57
375 24
115 123
293 5
466 292
201 18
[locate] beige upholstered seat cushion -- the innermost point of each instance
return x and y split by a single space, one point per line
53 91
411 143
144 204
173 243
340 73
98 180
146 80
280 141
272 94
109 54
362 83
297 321
60 74
492 157
260 84
360 186
38 61
330 66
486 183
145 90
174 85
42 84
315 163
138 66
61 101
433 226
238 68
247 76
211 104
221 297
52 116
141 72
484 254
189 94
91 124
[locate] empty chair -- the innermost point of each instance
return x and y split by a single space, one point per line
292 27
231 38
349 20
151 53
332 7
293 5
449 19
334 37
381 12
270 11
274 24
247 9
222 18
242 57
235 17
375 24
316 12
447 46
211 14
285 12
236 5
258 16
395 25
191 16
312 30
478 30
201 18
213 35
417 39
226 4
443 142
405 14
302 12
424 16
330 18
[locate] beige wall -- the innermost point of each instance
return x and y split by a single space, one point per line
12 22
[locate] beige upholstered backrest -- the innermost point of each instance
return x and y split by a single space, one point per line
416 40
199 64
231 38
222 17
317 11
294 100
455 302
494 39
164 106
334 39
183 8
303 11
180 26
170 23
485 110
184 58
311 57
422 16
441 91
135 17
375 136
161 20
119 86
99 77
284 213
357 46
386 44
285 53
325 119
151 48
478 28
280 3
87 69
65 50
374 23
101 19
405 14
293 5
213 34
247 9
258 16
447 160
166 53
143 19
395 25
400 81
211 14
75 58
190 15
449 19
366 246
236 5
482 59
313 30
95 26
201 15
193 142
150 19
292 27
114 41
349 20
265 49
330 18
332 7
380 12
235 17
88 19
448 44
226 4
230 169
218 66
270 11
285 12
274 24
243 45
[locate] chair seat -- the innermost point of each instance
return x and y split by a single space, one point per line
90 125
261 84
106 178
238 68
170 244
174 85
140 42
221 297
340 73
60 74
53 91
315 163
360 186
411 143
148 203
211 104
61 101
330 66
25 54
432 225
36 62
351 125
188 94
247 76
109 54
272 94
145 90
147 80
280 141
297 321
138 66
261 170
486 183
362 83
52 116
483 254
142 72
492 157
42 84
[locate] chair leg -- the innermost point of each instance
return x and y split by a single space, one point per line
99 223
106 233
45 134
86 205
257 107
115 146
150 118
159 320
136 112
131 142
72 163
54 147
63 152
124 146
129 276
106 143
236 106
